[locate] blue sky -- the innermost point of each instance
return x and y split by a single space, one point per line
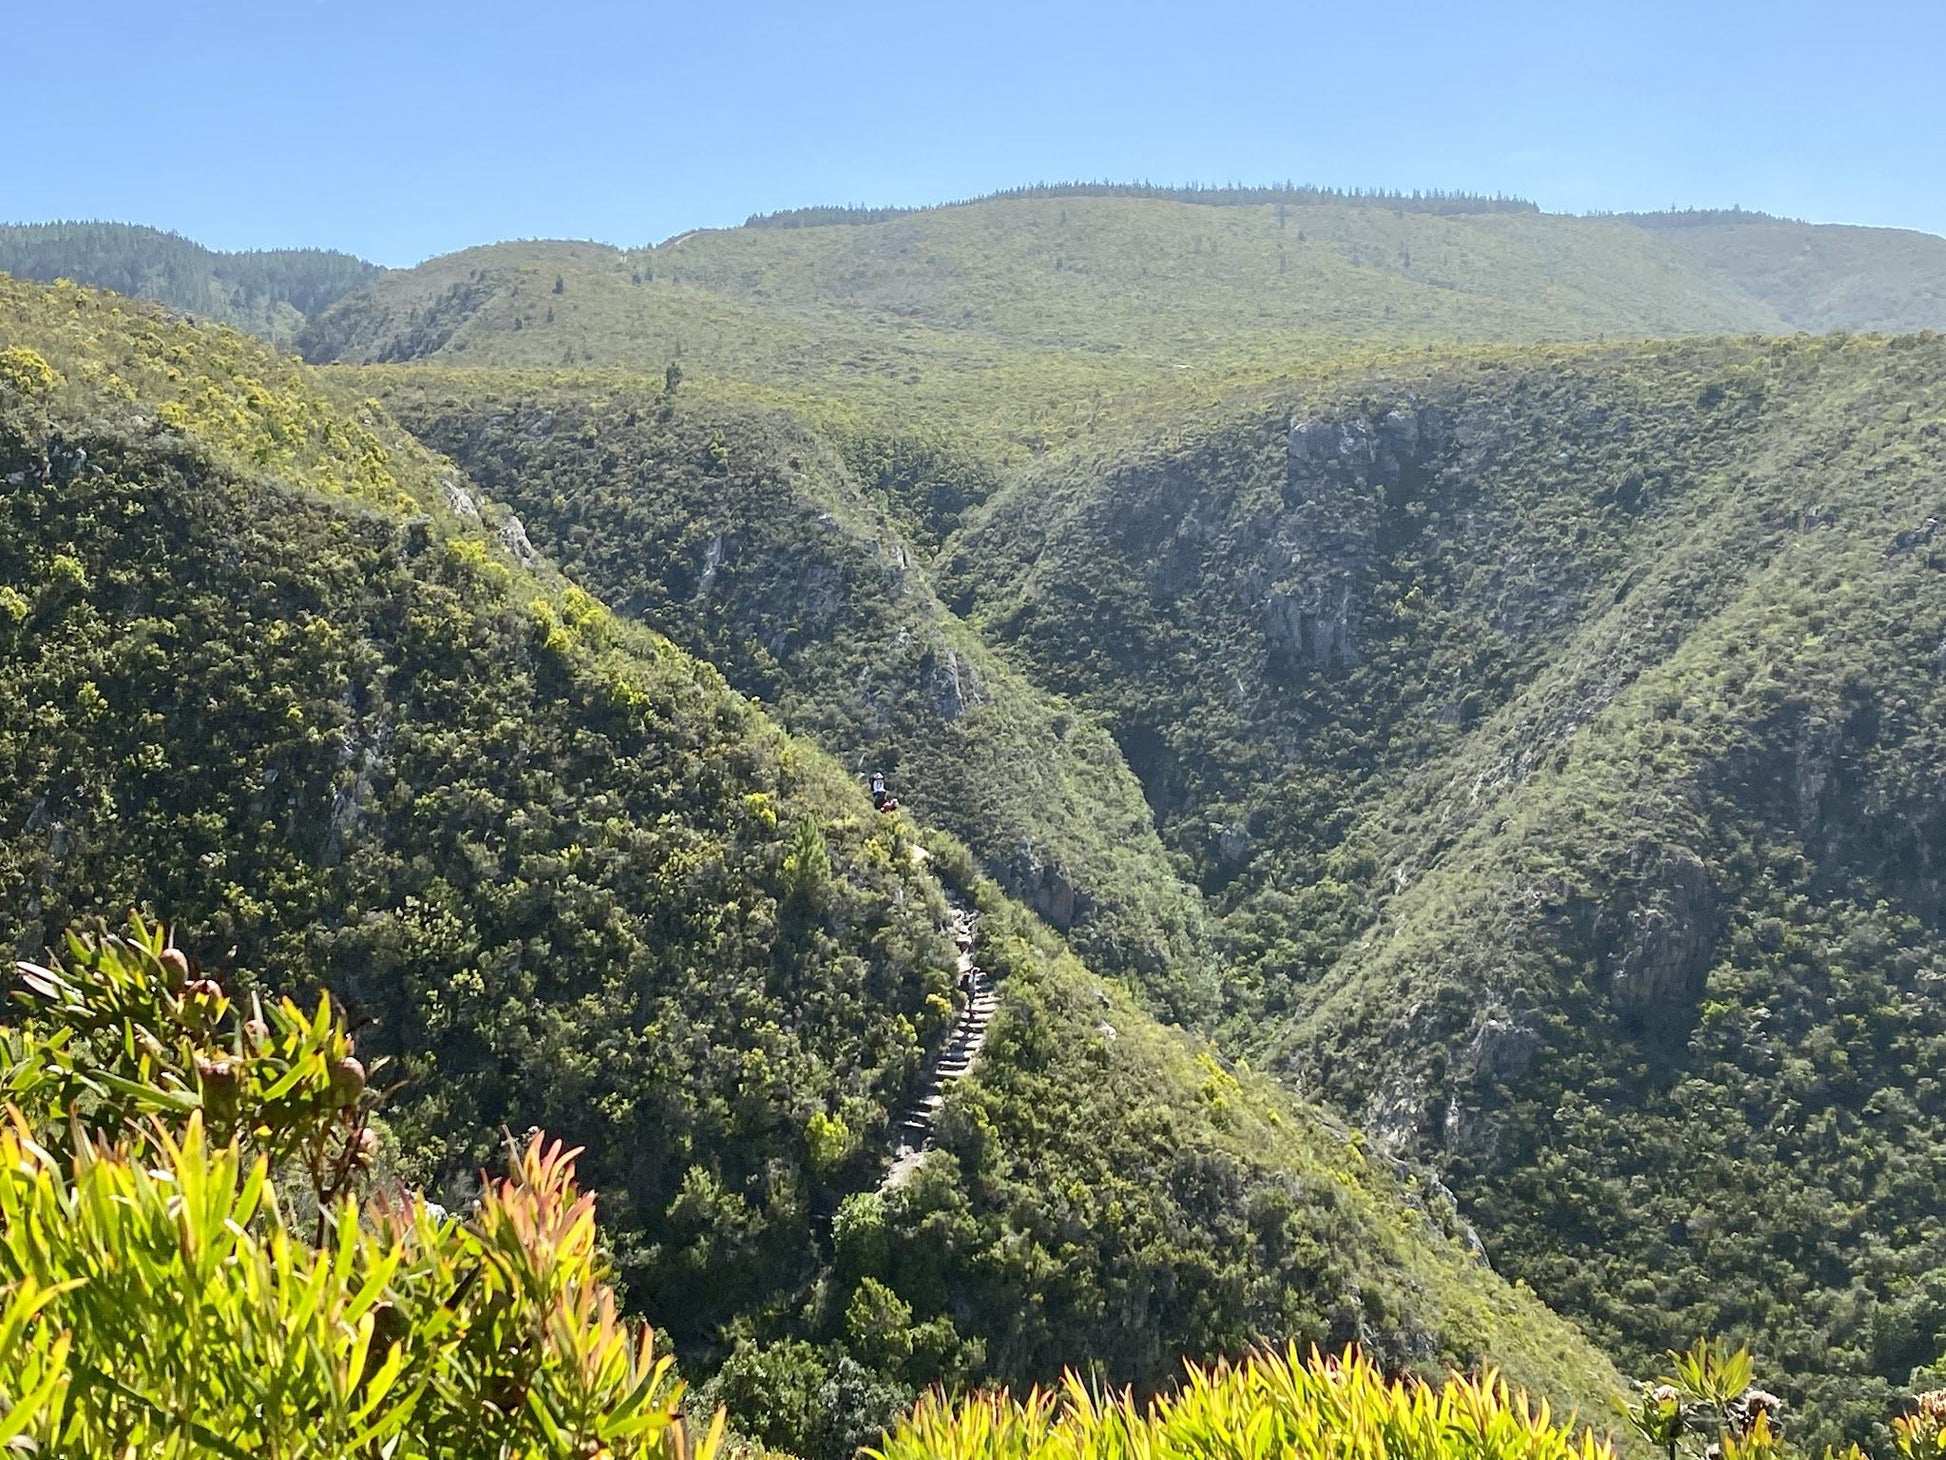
403 128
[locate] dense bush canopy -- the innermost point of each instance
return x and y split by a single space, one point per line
1557 737
273 670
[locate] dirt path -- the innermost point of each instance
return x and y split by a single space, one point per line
912 1132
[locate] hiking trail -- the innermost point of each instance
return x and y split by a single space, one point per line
912 1131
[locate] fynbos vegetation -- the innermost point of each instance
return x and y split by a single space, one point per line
1444 808
163 1293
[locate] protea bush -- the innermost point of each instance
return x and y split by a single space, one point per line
1280 1405
157 1297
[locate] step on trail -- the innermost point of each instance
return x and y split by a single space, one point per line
912 1130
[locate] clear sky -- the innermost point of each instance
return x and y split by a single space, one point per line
403 128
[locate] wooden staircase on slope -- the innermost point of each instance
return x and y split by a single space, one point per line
912 1133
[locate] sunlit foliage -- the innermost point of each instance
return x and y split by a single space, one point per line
1271 1405
158 1295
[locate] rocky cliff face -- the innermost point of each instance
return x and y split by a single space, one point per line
1340 475
1658 937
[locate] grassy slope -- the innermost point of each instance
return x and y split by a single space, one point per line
1022 326
1004 318
1600 868
267 671
1174 278
1115 275
1818 277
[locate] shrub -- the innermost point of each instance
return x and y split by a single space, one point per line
156 1297
27 371
1708 1407
1271 1405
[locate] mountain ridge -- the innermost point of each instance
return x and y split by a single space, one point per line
1023 325
273 666
269 292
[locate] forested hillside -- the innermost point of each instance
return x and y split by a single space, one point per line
757 546
1332 623
1557 735
269 292
276 672
1354 677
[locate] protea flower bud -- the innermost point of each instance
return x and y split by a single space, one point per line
175 969
218 1078
347 1082
202 1001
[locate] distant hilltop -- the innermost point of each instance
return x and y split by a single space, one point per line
269 292
1084 292
1223 196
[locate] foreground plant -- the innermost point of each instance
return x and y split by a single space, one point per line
1280 1405
128 1037
1709 1407
155 1298
1921 1435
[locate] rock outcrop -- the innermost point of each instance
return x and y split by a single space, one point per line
1663 937
1338 474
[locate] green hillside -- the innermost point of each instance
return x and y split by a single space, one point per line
1323 654
269 292
275 670
1557 736
1818 277
1167 278
1003 318
750 541
1026 320
1325 621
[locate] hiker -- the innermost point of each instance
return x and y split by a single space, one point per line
883 799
